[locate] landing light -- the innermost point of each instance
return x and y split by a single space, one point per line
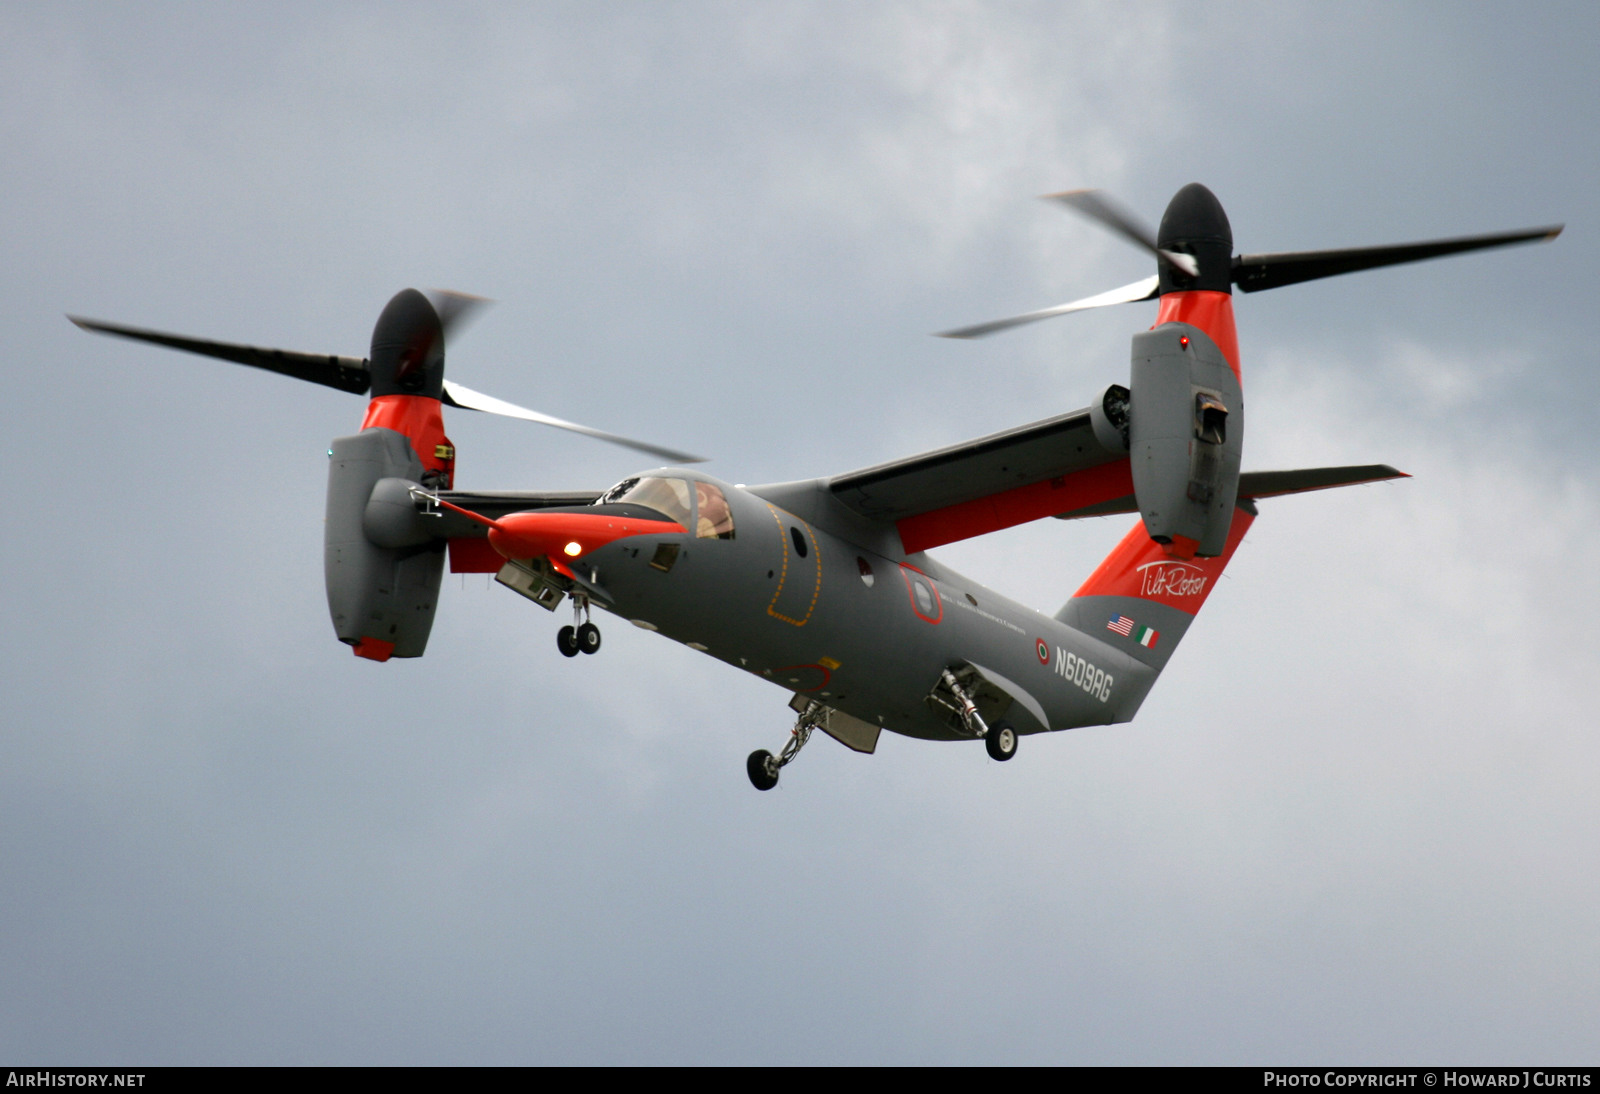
573 549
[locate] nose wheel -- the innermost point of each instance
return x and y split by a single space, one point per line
582 637
763 767
567 641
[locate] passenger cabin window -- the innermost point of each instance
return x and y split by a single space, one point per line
669 497
716 519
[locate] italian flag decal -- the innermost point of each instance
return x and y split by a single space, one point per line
1145 636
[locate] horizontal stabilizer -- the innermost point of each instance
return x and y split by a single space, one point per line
1264 484
1270 484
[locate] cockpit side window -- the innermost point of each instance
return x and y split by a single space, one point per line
716 519
669 497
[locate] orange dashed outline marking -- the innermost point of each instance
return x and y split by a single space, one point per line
783 574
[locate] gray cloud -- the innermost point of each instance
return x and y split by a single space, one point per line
1354 821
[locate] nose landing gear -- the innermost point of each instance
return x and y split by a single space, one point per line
763 766
584 637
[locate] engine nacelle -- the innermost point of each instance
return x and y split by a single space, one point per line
1108 416
381 597
1185 434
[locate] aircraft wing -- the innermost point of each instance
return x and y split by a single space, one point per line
1049 468
495 504
1038 470
470 552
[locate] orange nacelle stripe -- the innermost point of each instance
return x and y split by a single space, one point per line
421 420
373 649
1212 312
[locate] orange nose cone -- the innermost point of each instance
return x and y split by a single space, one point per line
531 535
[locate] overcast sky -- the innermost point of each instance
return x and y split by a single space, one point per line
1356 820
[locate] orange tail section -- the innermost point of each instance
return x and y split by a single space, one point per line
1141 600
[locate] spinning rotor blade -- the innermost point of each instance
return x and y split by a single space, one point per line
1253 273
456 309
344 373
353 374
1097 207
467 399
1195 228
1139 290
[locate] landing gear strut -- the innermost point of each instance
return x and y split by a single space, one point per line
999 740
763 766
584 636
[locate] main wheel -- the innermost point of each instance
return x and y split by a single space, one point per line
1001 741
762 769
567 642
589 638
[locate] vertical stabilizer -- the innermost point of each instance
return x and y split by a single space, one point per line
1140 600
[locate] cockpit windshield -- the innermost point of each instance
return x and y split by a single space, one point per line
670 497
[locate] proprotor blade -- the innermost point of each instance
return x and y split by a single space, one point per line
467 399
1097 207
456 309
1139 290
345 373
1252 273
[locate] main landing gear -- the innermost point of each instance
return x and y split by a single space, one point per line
999 740
582 638
763 766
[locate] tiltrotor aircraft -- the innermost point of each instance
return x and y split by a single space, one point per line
825 587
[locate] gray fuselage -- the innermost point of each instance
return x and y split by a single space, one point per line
823 603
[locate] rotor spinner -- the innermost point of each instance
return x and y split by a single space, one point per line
408 348
1195 224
